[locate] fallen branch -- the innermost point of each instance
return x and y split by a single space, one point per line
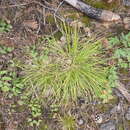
92 12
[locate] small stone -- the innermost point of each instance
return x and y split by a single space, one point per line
116 109
81 101
110 125
10 55
126 2
128 109
88 31
63 39
110 1
80 121
127 115
126 22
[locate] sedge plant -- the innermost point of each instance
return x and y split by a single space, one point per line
64 73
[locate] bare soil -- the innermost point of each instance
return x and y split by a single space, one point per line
33 19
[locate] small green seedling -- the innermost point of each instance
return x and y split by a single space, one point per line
121 50
4 26
35 109
5 49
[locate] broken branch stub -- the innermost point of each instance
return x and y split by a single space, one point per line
99 14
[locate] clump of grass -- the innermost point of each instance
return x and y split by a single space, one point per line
64 73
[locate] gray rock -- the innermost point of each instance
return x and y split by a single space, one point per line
126 22
80 121
116 109
126 2
127 115
110 125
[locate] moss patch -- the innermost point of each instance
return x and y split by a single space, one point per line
102 4
86 20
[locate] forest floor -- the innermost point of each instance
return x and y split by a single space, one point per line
22 24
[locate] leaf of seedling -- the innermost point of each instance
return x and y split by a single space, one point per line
114 41
128 44
5 27
2 23
20 102
125 39
29 119
2 29
6 84
120 53
6 78
1 84
103 96
2 51
31 124
2 72
9 49
124 65
5 89
36 114
35 122
9 27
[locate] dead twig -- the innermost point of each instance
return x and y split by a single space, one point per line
55 15
49 8
12 6
121 88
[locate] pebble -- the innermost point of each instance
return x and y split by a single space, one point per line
110 125
116 109
126 2
81 101
126 22
80 121
127 115
63 39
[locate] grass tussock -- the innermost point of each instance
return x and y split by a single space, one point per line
64 73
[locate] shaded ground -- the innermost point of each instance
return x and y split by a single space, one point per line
31 20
